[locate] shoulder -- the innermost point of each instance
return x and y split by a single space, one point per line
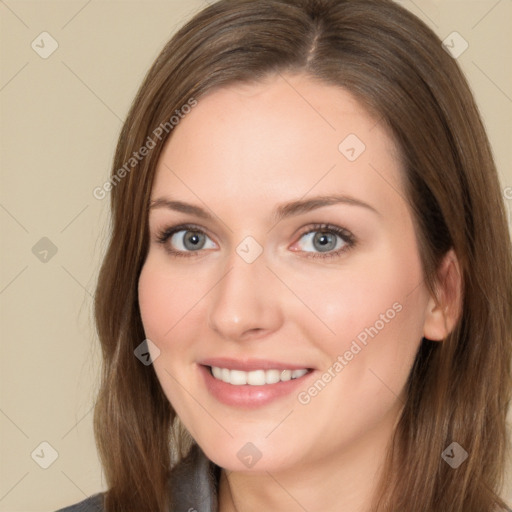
92 504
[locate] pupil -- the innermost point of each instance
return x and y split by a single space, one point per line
193 240
324 242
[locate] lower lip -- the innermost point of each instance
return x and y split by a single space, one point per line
248 396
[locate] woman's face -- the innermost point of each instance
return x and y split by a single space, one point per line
283 255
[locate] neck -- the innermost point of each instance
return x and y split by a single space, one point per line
345 480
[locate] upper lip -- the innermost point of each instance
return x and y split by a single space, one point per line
248 365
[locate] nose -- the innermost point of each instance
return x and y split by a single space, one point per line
246 302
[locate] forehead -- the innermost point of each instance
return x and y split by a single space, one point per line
276 140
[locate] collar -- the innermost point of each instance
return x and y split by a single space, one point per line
194 482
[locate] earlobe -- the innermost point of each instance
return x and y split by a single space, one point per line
443 310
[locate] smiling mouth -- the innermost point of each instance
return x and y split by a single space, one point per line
256 377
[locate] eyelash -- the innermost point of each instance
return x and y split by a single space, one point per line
164 235
348 238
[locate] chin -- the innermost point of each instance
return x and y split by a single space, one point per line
247 456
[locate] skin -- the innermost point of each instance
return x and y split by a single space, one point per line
244 150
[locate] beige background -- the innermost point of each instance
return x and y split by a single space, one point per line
60 118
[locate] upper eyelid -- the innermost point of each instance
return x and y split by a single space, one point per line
183 227
289 212
314 226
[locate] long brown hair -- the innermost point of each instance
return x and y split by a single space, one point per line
459 389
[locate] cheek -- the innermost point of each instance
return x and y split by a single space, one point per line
376 315
166 302
154 296
166 298
384 295
375 312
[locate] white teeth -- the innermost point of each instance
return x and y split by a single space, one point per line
272 376
237 377
286 375
255 377
298 373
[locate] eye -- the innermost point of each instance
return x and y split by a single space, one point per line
325 241
185 239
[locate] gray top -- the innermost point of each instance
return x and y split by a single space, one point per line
193 483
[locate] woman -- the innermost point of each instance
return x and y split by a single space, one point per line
306 300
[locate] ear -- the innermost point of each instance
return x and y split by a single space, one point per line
444 309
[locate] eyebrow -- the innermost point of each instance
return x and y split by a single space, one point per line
281 212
